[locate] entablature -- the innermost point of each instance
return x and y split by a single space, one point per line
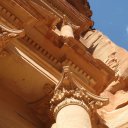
54 49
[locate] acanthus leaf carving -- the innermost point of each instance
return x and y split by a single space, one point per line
6 34
68 91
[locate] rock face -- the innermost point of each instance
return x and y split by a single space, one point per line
101 47
105 50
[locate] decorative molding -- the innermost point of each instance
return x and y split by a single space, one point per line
70 101
11 18
34 46
7 34
69 91
84 75
64 7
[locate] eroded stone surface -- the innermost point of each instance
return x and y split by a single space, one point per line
102 48
115 114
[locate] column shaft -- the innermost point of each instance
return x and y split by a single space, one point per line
73 116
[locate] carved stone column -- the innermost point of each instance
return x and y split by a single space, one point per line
72 104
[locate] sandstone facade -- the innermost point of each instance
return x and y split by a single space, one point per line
38 39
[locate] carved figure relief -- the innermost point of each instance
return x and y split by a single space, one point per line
113 61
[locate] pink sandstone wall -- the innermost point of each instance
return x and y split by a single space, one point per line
101 47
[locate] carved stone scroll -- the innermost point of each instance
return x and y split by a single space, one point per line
70 92
6 34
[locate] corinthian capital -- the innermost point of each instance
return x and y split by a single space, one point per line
6 34
69 92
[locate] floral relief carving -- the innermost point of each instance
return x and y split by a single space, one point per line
68 92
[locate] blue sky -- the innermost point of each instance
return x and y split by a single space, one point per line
111 17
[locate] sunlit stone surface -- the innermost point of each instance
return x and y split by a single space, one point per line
73 116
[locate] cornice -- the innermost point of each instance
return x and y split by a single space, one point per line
82 6
54 49
64 8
